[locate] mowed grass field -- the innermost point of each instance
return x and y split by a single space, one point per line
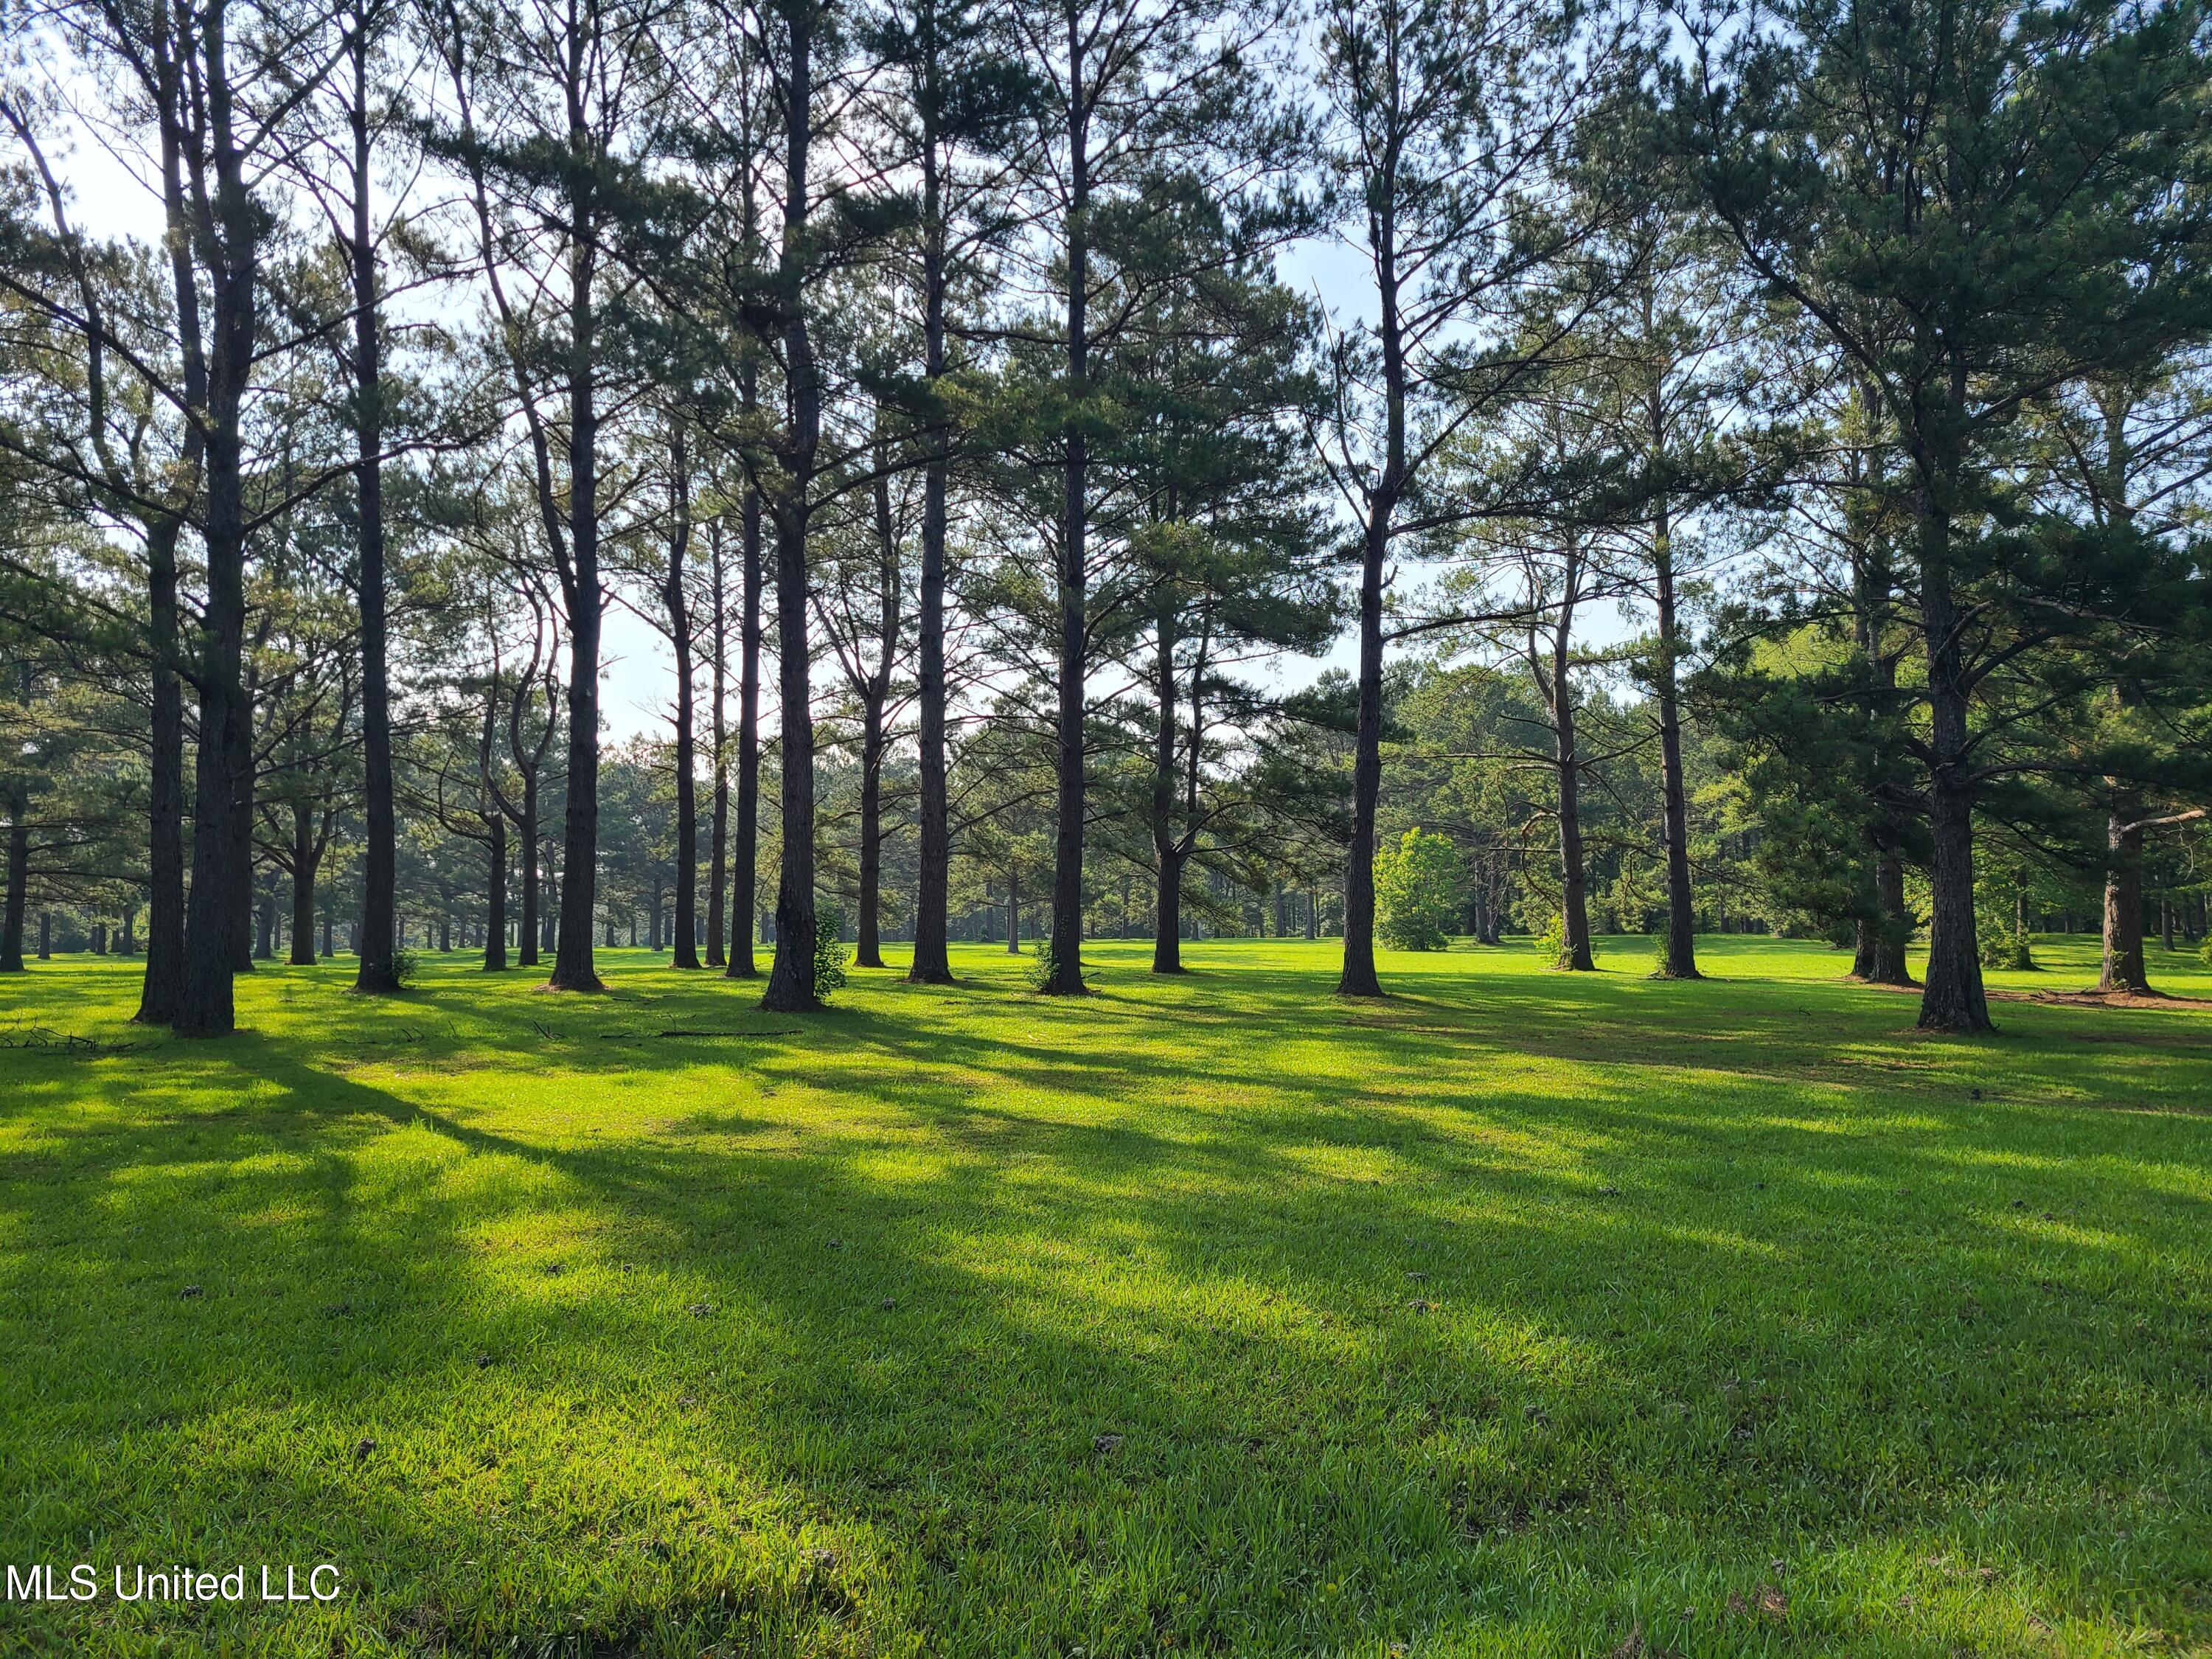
1521 1314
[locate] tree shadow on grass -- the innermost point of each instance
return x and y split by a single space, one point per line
1753 1344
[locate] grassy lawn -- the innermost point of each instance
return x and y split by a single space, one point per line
1518 1314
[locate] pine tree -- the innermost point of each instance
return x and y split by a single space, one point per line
1974 204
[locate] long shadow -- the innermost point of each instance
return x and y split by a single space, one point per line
1227 1285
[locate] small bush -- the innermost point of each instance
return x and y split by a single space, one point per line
1047 965
1552 943
404 966
1416 892
2002 944
828 951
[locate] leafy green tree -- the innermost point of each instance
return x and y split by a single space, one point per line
1973 203
1417 887
1143 107
1225 561
1450 127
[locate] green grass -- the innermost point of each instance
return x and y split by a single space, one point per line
1513 1316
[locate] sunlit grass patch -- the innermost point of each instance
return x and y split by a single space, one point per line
1511 1316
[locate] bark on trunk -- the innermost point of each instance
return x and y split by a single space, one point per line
1953 999
1574 903
744 855
244 945
2124 969
494 945
874 691
791 976
162 996
379 854
207 1007
1359 978
868 952
1064 974
306 856
1678 952
1879 959
19 882
686 943
573 966
933 963
163 988
525 937
1167 853
1167 929
717 867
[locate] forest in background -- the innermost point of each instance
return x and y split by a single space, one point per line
1755 459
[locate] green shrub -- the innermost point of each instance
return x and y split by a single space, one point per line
1552 943
828 951
1046 966
2001 939
1416 892
405 965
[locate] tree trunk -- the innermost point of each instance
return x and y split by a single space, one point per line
2124 969
573 967
745 856
1359 978
207 1008
1167 860
495 943
685 941
18 881
932 962
1952 999
717 867
526 936
868 953
1894 927
791 976
1574 907
163 991
305 857
243 942
1865 938
1064 971
1678 957
1013 912
1167 929
380 855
